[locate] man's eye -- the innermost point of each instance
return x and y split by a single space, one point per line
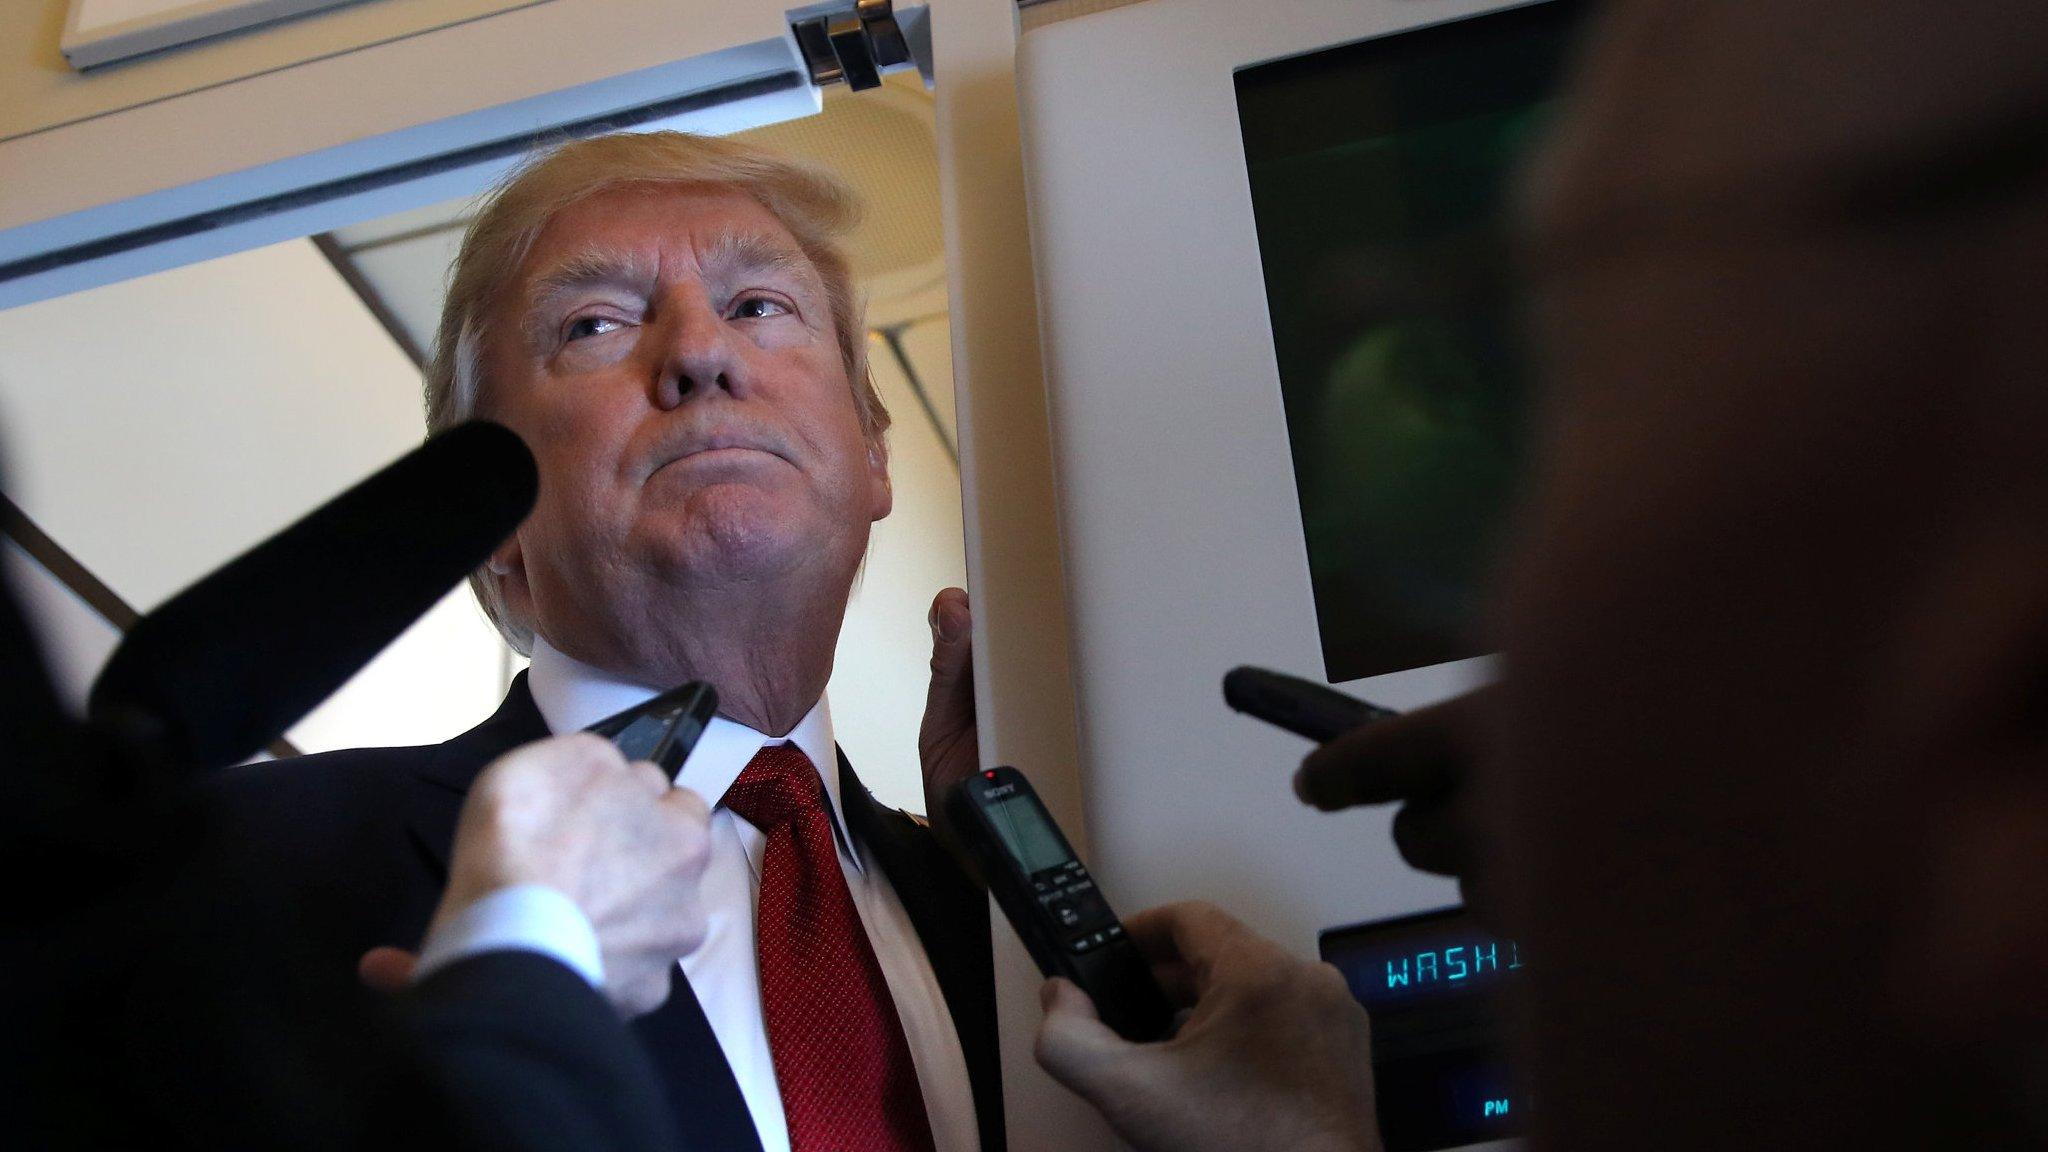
758 308
590 326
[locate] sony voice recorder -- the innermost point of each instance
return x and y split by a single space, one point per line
1054 903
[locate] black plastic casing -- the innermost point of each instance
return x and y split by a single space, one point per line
1058 911
664 729
1307 709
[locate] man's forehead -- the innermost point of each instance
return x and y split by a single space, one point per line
637 234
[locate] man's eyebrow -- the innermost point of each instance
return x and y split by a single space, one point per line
589 268
734 252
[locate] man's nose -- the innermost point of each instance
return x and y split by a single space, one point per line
699 354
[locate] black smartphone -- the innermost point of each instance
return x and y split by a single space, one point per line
1303 707
664 729
1058 911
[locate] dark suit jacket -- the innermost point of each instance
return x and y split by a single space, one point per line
135 1019
348 850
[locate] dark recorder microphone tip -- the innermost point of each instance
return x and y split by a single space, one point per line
224 667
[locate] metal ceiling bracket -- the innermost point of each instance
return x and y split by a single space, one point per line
851 43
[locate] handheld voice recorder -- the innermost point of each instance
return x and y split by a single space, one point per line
1058 911
1303 707
664 729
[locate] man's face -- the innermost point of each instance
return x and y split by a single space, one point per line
670 356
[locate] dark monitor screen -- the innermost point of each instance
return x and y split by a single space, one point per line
1379 172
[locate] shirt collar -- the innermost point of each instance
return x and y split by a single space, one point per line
572 695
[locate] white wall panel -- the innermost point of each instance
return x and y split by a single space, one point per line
1179 520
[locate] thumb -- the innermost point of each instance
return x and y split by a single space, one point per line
387 970
952 622
947 733
1074 1045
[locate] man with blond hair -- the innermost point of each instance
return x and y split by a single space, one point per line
670 324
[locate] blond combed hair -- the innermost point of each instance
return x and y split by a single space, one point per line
819 211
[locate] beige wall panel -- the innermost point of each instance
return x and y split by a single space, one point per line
391 102
1053 11
39 90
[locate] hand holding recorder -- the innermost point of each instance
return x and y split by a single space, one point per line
1422 760
1274 1054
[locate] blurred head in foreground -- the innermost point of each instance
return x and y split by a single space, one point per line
1775 733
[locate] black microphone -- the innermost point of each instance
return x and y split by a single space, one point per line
224 667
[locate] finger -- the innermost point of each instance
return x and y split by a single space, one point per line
952 687
1073 1044
1476 893
1184 940
575 752
946 739
687 802
585 749
387 970
1421 753
648 775
1431 836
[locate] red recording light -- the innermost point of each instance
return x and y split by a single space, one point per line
989 775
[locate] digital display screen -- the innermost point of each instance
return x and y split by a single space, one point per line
1028 834
1379 174
1434 961
1432 983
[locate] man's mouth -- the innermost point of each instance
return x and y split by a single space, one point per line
722 447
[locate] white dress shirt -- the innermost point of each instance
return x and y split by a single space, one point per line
724 972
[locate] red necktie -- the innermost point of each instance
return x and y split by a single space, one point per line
841 1060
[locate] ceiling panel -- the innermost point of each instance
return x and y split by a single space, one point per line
446 214
410 277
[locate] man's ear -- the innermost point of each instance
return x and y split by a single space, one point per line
881 495
507 566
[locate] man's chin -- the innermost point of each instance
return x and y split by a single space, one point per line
734 530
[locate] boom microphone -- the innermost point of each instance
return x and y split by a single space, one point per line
224 667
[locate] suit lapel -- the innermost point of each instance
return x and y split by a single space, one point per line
709 1110
950 913
445 778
